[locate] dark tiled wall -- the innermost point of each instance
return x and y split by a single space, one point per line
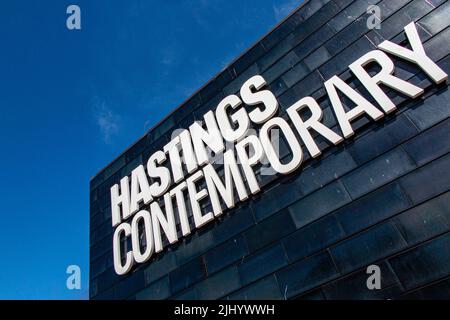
381 197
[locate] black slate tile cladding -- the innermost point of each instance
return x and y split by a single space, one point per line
269 230
157 290
319 203
306 274
353 286
363 249
187 275
225 254
425 263
262 263
426 220
312 238
381 197
264 289
372 208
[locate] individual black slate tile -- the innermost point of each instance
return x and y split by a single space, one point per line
219 284
341 61
310 26
269 230
264 289
189 294
102 231
106 280
325 170
319 203
314 295
186 275
367 247
311 8
223 255
436 3
444 64
275 53
437 20
211 104
298 72
436 291
274 199
423 264
136 150
156 291
96 180
312 238
317 20
381 139
430 144
423 35
391 7
114 167
347 36
378 172
133 164
314 41
105 295
411 12
97 219
374 37
306 274
329 118
280 67
100 248
215 86
232 224
193 246
317 58
103 216
235 85
187 108
426 220
104 189
278 87
157 144
159 267
404 70
97 266
248 58
428 181
343 3
131 283
438 46
276 35
162 128
354 286
262 263
301 89
434 109
372 208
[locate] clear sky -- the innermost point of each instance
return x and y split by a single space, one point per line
71 101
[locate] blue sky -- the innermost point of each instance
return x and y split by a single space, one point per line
71 101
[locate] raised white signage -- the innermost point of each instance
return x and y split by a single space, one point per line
193 173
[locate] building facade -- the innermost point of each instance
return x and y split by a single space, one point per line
378 198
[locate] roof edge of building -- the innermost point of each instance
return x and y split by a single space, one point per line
202 87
